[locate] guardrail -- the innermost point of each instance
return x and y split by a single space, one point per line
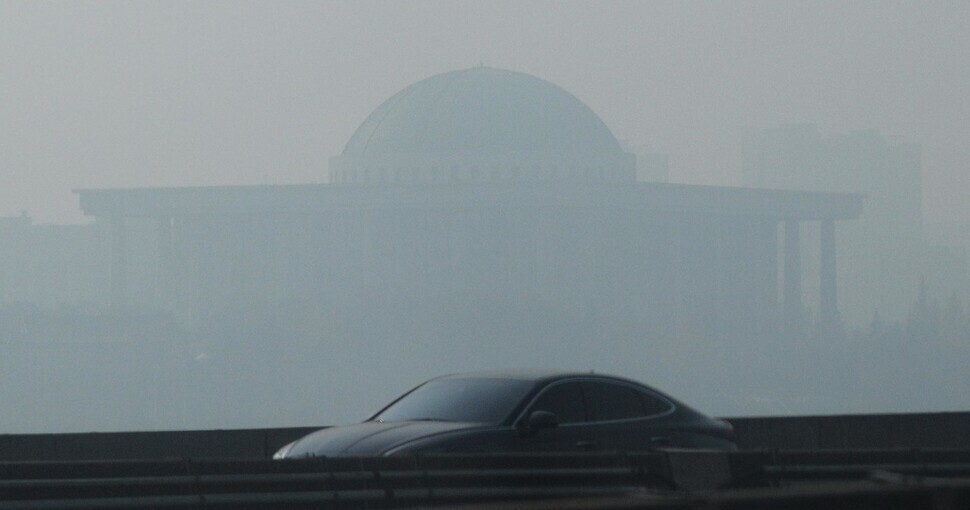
340 483
926 479
786 468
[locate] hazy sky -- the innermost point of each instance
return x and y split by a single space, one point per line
120 94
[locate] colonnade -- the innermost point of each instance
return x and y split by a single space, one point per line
792 306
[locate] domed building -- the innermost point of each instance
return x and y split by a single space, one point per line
483 213
482 125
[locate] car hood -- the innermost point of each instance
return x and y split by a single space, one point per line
369 437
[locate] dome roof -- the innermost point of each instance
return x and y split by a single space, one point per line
481 110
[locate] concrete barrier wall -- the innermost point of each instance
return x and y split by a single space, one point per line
932 430
251 443
929 430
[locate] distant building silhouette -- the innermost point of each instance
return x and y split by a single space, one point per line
478 218
653 167
879 255
480 192
53 265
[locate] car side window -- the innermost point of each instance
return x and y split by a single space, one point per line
608 401
565 400
653 405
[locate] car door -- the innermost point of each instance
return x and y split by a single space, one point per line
564 399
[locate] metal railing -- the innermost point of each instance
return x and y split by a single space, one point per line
913 479
368 482
782 468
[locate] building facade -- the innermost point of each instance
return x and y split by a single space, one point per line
886 241
478 219
471 196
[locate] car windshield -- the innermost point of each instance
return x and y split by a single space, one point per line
461 400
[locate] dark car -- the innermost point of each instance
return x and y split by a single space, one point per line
521 412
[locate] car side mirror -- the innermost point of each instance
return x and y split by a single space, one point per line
539 420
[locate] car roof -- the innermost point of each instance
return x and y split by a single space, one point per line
544 376
532 374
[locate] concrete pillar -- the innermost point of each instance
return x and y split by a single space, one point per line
792 277
828 300
119 267
766 297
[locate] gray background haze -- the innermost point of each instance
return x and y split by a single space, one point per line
212 93
129 94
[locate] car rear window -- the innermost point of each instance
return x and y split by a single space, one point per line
609 401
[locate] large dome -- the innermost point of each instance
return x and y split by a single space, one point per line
479 123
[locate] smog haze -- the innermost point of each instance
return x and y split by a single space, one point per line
120 94
233 214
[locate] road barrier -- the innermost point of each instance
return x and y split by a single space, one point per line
858 431
681 479
788 468
926 430
381 482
